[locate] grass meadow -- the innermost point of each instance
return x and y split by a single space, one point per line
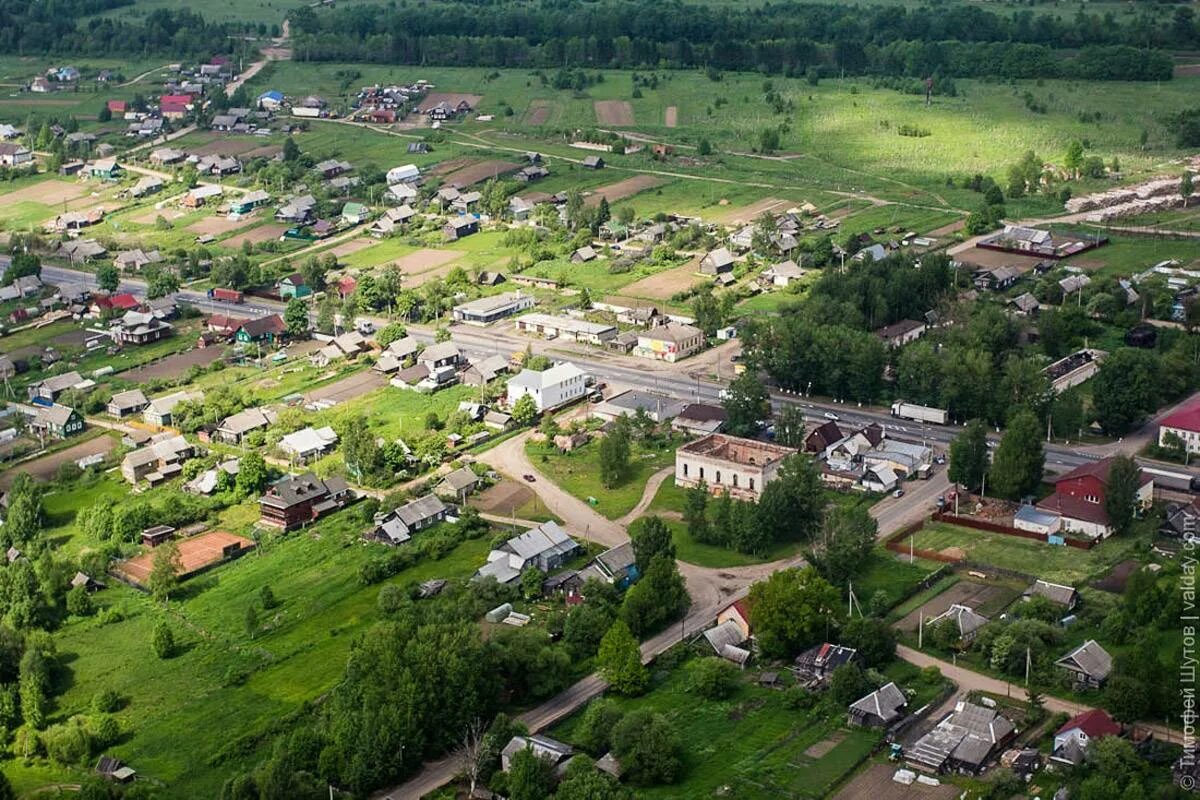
226 678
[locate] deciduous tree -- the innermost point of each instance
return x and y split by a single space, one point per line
1121 493
969 455
792 610
620 661
746 404
1019 462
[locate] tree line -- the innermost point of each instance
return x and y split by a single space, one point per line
56 27
777 38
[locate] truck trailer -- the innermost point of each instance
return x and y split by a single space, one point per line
937 416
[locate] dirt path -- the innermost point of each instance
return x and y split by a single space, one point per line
145 74
652 486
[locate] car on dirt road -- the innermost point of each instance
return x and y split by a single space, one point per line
529 478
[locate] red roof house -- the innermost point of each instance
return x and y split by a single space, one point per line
117 106
737 612
175 99
346 286
124 301
1184 423
1072 739
1079 498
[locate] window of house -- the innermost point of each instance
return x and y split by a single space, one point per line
735 481
685 470
702 473
718 476
752 484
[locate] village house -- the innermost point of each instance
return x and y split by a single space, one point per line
901 333
819 662
237 426
671 342
14 156
164 156
549 326
640 316
56 421
549 750
483 372
293 285
1088 665
964 620
1072 739
392 220
1079 498
440 355
296 501
79 251
616 566
879 709
717 262
458 227
657 407
139 327
160 460
135 260
782 274
201 195
50 388
159 412
124 404
307 444
458 485
248 202
1074 369
1184 425
964 741
148 184
729 463
544 548
398 526
487 310
726 639
408 173
1065 596
592 162
269 329
700 419
106 169
395 354
298 210
550 389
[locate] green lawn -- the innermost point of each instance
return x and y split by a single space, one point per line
895 577
578 473
1053 563
224 680
751 744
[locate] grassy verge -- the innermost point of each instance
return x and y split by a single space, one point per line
578 472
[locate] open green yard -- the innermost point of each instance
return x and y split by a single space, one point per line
578 472
751 743
224 679
1053 563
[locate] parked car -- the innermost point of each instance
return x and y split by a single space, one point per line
529 478
831 415
898 493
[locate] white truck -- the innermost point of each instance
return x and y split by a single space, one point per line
903 410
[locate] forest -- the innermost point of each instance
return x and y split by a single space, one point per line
782 38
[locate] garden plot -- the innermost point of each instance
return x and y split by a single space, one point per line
747 214
151 215
50 192
173 366
471 173
352 246
671 116
877 782
262 233
622 189
504 498
664 284
219 225
538 113
351 386
44 468
986 598
614 112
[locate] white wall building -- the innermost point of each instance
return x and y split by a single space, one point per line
550 389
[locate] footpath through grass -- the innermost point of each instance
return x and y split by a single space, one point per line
578 473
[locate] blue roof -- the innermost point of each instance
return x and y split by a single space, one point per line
1032 515
271 95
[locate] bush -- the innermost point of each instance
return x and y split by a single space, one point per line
163 640
596 726
712 678
106 701
79 602
798 698
68 743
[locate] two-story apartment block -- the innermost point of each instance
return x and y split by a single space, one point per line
729 463
551 388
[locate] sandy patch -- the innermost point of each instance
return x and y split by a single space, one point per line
671 116
217 226
49 192
825 745
538 112
877 782
622 189
255 235
613 112
453 98
746 214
